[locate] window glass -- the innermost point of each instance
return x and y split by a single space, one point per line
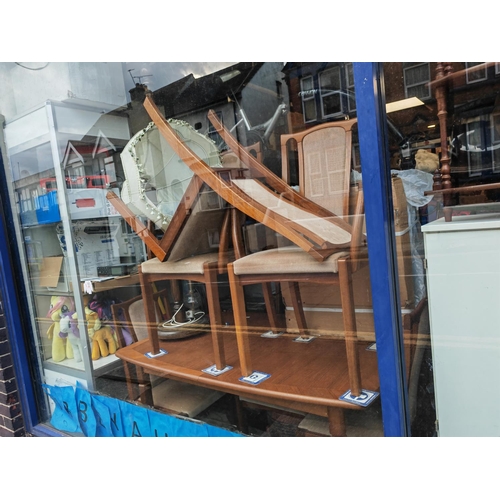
448 169
193 243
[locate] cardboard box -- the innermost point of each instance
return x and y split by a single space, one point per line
329 322
54 275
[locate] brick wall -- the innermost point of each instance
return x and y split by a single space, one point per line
11 420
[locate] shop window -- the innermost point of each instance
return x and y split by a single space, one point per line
476 72
416 80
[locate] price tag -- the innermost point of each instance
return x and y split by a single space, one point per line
255 378
151 355
271 335
303 340
364 399
212 370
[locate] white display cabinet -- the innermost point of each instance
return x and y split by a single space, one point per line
463 279
62 157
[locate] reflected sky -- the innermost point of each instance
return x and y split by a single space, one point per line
158 74
26 84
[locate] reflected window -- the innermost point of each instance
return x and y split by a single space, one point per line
417 78
476 72
331 91
308 99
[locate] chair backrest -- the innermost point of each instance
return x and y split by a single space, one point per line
190 215
324 163
130 315
262 195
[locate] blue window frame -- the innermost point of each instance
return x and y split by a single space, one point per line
374 151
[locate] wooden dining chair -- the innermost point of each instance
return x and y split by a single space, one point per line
194 247
323 163
169 395
324 248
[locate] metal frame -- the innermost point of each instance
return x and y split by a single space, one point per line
11 290
374 150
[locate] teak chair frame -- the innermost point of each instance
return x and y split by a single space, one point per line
222 184
162 249
313 244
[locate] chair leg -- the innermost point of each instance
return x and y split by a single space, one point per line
131 389
240 321
215 315
350 331
149 310
270 307
294 289
145 387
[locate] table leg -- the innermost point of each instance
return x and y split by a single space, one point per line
336 422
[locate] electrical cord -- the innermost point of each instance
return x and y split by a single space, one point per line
173 323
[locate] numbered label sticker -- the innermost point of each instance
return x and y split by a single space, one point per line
151 355
255 378
364 399
212 370
271 335
303 340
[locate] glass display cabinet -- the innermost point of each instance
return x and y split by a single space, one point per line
79 254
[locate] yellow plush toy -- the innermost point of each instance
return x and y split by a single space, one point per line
60 307
65 335
103 340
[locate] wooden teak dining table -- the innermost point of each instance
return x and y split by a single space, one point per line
308 378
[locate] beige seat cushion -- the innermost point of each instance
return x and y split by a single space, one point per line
183 398
320 226
286 260
191 265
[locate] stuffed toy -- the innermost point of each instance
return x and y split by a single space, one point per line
65 334
426 161
69 329
102 337
60 307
